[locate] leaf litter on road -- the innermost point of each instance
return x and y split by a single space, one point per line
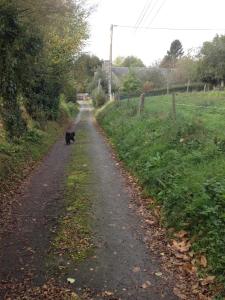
175 252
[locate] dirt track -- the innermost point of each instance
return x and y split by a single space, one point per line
122 263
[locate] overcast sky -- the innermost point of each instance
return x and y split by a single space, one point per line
151 45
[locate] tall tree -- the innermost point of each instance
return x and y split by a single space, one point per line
131 84
212 61
132 61
18 51
84 68
118 61
173 54
39 42
153 75
176 49
186 70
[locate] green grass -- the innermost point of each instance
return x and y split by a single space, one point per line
73 238
181 164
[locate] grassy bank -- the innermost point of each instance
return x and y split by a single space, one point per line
16 158
181 164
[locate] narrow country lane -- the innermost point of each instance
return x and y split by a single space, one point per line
122 265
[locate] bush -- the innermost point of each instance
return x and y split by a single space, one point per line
70 92
98 97
66 109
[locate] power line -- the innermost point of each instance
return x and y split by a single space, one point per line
151 10
162 4
169 28
144 14
141 14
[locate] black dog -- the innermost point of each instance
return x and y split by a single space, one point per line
70 136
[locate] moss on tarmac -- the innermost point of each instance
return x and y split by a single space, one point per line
73 238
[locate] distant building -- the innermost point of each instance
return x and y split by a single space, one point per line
82 96
121 71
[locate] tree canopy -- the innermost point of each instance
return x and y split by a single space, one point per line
212 60
129 61
173 54
39 41
131 84
84 69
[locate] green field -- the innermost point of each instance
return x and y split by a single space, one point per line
180 163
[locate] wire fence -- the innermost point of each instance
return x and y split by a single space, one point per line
203 111
174 102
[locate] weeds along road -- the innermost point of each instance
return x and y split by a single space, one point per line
122 265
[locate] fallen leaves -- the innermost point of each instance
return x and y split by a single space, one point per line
203 261
136 269
181 234
181 256
176 255
182 246
146 285
150 222
203 297
189 268
71 280
207 280
26 290
107 293
159 274
177 292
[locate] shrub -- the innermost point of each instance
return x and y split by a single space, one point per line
66 109
98 97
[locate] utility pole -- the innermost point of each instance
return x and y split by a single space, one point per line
99 84
110 64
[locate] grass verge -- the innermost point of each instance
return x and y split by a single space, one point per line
181 164
17 158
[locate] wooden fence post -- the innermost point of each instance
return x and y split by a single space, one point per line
167 88
188 85
205 87
141 103
174 106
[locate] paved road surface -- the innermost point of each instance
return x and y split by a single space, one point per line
122 264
